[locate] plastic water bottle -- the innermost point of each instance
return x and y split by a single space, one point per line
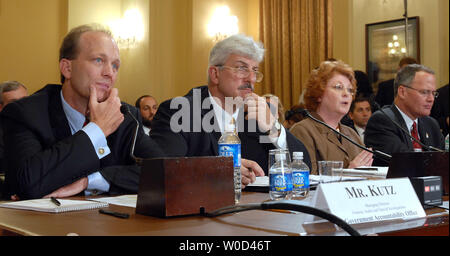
280 177
446 143
230 145
300 176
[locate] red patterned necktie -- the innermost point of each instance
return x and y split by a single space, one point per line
415 134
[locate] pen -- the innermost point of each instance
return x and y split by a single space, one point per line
366 168
115 214
55 201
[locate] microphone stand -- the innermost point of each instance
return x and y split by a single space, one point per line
126 110
286 205
375 152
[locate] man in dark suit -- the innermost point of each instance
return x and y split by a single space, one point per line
415 87
385 93
9 91
440 109
148 106
360 112
73 138
192 125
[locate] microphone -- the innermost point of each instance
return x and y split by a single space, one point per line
124 109
305 112
429 148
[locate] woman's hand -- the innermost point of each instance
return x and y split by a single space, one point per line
364 158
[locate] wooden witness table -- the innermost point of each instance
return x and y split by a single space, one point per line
248 223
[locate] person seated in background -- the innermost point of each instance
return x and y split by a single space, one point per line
195 130
64 140
329 92
148 106
294 115
363 86
385 93
415 91
364 90
360 112
9 91
440 109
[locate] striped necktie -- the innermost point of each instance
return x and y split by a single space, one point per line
415 134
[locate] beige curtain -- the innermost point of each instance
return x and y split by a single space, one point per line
297 35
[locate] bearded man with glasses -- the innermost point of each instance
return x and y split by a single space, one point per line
415 92
192 125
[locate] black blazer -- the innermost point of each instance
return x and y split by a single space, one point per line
381 134
385 93
441 107
205 143
42 154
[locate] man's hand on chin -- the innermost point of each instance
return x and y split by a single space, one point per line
258 109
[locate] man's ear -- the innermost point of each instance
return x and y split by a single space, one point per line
65 66
401 91
213 74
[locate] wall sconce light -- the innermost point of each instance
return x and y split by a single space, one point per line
222 24
129 30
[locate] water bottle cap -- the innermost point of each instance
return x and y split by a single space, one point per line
297 155
280 157
231 126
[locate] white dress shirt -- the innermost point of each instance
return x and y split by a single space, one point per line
360 131
146 130
409 122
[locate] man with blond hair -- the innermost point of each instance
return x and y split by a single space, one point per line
70 139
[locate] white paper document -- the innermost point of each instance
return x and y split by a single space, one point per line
368 170
262 181
313 180
125 200
46 205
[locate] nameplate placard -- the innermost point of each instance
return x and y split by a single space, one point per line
368 201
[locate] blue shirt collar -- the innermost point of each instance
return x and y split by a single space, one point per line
75 118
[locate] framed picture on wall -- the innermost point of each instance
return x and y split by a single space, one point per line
386 46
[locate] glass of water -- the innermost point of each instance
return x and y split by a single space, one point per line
330 171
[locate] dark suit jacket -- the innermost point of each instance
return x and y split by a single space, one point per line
42 154
441 107
385 93
381 133
2 150
205 143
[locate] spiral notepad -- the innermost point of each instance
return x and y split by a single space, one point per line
46 205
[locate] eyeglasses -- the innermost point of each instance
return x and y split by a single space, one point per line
341 88
424 93
244 72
